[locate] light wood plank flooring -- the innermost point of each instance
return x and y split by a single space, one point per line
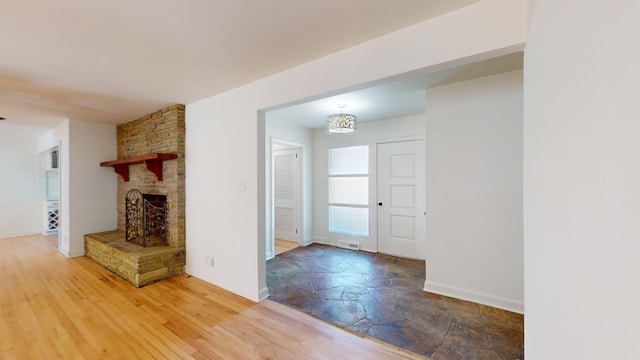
284 246
57 308
52 238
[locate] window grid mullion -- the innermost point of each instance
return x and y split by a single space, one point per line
348 175
361 206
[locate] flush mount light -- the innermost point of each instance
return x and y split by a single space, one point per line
341 123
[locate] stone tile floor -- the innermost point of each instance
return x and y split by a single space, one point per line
381 296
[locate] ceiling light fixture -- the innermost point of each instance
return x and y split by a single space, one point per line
341 123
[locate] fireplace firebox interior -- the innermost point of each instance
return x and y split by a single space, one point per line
146 219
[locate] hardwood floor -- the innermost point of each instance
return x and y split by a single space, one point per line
57 308
52 238
282 246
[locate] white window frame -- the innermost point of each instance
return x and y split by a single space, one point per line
348 205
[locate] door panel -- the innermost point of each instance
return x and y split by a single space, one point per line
284 220
402 228
286 194
403 196
401 220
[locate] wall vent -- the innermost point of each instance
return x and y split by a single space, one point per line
351 245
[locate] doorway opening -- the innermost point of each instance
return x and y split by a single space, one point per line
49 168
286 194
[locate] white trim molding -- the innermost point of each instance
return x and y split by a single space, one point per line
21 234
480 298
263 294
307 241
318 240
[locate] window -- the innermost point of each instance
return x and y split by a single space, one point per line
349 190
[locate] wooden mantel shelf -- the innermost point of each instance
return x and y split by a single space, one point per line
153 162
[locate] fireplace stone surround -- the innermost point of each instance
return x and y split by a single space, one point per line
161 132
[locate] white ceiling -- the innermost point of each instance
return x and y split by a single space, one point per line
403 96
112 61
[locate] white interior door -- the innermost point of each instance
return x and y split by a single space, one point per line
286 194
401 199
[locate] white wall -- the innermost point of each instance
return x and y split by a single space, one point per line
474 191
225 223
278 130
88 192
20 204
89 183
582 180
52 138
369 133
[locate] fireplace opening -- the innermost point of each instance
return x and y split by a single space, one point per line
146 219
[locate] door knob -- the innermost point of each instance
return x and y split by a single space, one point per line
380 204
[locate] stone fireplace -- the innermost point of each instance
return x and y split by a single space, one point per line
149 243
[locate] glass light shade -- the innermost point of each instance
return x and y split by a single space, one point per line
341 124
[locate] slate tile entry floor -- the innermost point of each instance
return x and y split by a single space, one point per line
381 296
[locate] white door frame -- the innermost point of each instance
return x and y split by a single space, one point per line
275 142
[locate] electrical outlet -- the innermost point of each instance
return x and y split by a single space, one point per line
209 260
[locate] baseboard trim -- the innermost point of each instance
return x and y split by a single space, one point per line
263 294
72 254
480 298
7 236
318 240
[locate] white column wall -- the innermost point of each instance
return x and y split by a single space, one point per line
223 130
20 205
88 192
582 180
474 191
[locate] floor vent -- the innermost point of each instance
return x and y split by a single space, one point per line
351 245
